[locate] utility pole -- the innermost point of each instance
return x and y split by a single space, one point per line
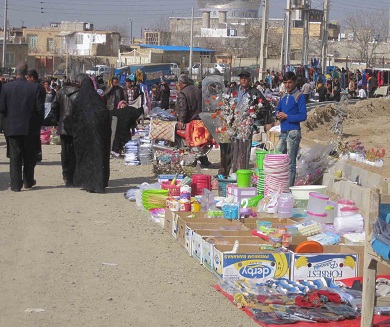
192 43
305 40
325 23
287 37
264 40
5 32
282 46
131 31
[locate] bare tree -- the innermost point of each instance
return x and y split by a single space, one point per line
123 30
369 30
162 25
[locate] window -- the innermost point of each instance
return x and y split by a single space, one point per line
79 38
152 38
10 58
32 42
50 45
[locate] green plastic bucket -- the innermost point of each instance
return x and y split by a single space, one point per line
244 177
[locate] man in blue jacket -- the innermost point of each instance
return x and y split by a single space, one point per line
291 111
22 106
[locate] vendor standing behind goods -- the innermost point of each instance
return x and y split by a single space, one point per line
189 106
291 111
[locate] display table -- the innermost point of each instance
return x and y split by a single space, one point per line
371 259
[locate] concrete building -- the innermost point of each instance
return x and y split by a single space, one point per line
73 46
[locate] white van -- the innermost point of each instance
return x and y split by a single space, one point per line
99 70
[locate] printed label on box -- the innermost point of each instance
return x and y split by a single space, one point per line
188 240
314 266
256 266
207 254
197 247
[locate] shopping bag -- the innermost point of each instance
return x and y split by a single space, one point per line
162 130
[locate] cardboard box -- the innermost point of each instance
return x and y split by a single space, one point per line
193 244
337 261
252 222
194 238
250 263
209 242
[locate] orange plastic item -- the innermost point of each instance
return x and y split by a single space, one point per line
309 247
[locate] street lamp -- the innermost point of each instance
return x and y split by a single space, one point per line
131 30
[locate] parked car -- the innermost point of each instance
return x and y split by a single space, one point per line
220 67
175 69
99 70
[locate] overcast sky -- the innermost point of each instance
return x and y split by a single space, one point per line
144 14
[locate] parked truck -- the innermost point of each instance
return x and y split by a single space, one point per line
152 73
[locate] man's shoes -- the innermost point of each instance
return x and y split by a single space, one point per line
26 185
114 154
205 164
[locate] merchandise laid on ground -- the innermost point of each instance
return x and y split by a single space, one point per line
283 255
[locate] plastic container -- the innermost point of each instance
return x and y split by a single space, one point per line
302 192
222 184
347 211
244 177
231 211
285 205
317 202
348 224
318 217
344 203
200 182
330 214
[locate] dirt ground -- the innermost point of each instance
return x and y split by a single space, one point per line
368 121
95 260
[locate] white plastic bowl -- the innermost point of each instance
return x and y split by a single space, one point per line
302 192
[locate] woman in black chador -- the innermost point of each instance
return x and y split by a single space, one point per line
91 138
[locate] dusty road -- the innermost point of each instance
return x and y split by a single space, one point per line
54 242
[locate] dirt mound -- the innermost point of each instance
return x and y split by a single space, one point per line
367 121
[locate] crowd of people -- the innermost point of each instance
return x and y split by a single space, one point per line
83 115
95 121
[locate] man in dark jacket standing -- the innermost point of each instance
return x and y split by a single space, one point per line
61 109
22 106
189 106
115 94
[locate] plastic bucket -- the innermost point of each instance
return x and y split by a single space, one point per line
244 177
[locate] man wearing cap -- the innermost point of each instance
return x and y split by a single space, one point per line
189 106
291 111
245 87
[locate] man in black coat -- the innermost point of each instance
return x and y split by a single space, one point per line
61 109
22 106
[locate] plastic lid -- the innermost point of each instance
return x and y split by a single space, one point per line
345 201
349 208
319 195
323 215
